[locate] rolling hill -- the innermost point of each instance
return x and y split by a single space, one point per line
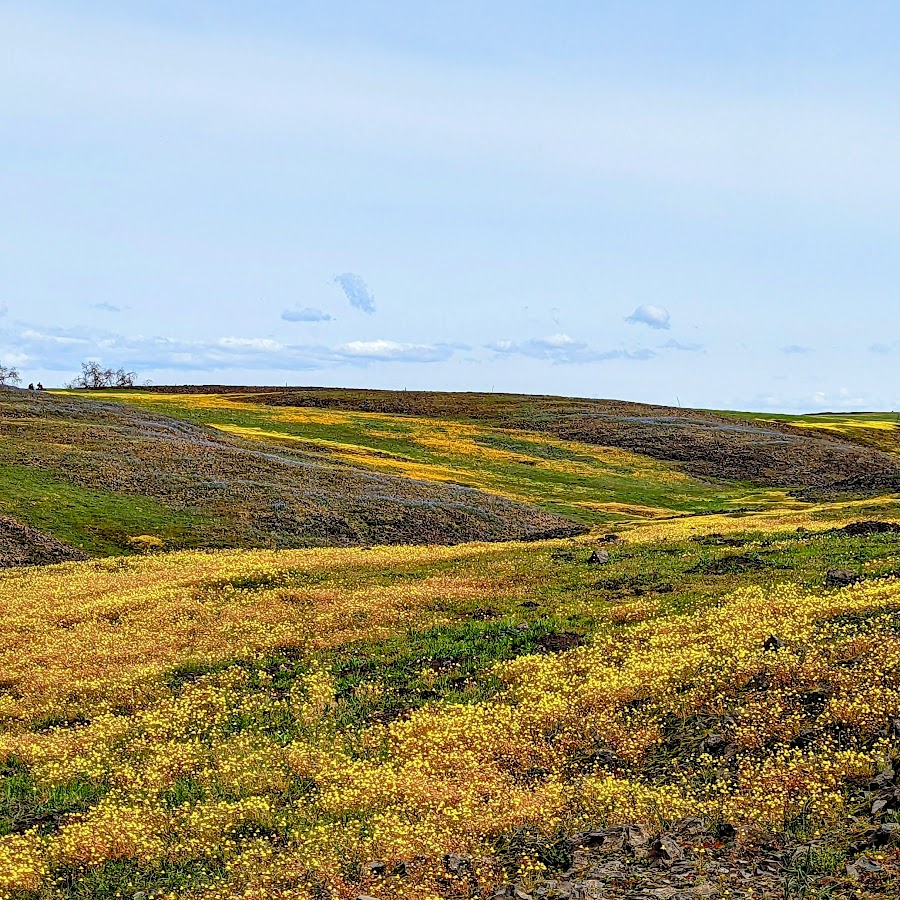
106 478
445 647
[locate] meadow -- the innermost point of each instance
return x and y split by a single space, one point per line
588 483
695 697
338 722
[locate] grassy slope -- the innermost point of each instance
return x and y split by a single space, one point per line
590 484
704 443
105 476
879 430
244 720
97 521
264 724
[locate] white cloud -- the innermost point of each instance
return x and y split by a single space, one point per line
106 307
54 336
59 349
561 349
356 291
307 314
391 351
654 316
266 345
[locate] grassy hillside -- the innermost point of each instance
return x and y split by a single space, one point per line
587 483
696 700
110 479
878 430
740 447
440 721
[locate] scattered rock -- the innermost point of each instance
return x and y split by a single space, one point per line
715 743
867 866
625 861
881 836
560 641
773 643
610 539
725 832
666 850
717 539
598 557
840 577
482 614
692 825
21 545
457 864
376 868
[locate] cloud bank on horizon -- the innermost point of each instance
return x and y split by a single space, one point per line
578 200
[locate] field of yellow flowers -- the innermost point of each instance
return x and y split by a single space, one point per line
334 723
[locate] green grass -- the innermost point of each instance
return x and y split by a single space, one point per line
582 482
25 805
98 522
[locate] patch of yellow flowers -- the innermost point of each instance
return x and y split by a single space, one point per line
575 740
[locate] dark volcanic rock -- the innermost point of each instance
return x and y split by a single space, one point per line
561 641
840 577
21 545
706 444
871 527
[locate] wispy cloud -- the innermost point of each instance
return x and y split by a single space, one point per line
684 347
106 307
356 291
884 349
654 316
392 351
796 349
307 314
561 349
4 309
63 349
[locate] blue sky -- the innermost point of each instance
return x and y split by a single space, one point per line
689 202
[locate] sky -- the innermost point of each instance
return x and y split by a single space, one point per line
691 203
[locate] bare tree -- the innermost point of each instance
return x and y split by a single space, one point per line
94 377
9 375
125 379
